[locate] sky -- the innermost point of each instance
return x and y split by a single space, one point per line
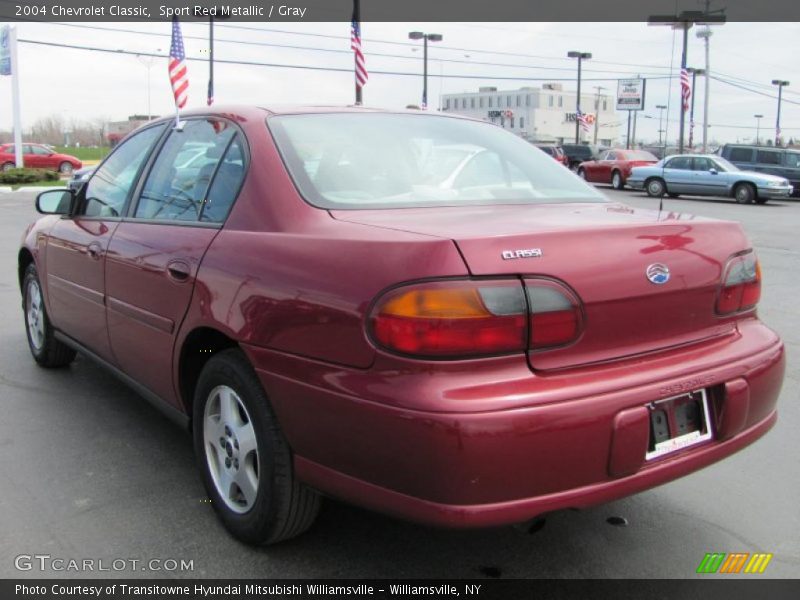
83 85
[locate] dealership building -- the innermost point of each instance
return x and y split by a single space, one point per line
545 114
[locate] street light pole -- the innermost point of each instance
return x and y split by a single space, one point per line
684 21
758 128
660 108
147 62
425 37
695 73
581 56
599 88
781 84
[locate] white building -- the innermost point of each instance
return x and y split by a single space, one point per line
539 114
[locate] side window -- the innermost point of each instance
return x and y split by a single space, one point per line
226 184
179 180
702 164
741 155
768 157
40 151
683 163
792 159
108 189
610 156
26 149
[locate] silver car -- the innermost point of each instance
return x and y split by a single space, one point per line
707 175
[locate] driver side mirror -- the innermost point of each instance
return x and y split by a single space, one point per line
55 202
713 171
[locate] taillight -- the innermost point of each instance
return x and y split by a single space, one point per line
452 318
741 284
555 314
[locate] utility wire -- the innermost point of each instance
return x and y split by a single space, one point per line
316 68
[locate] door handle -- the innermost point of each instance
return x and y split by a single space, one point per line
95 250
178 270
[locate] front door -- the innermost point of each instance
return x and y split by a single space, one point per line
156 252
76 250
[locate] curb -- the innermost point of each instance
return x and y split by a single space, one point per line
35 188
4 189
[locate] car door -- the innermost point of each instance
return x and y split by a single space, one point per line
77 244
678 174
29 159
709 178
41 157
605 166
155 253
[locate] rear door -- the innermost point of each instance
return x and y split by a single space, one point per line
678 175
76 248
156 251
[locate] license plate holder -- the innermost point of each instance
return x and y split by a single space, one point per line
678 423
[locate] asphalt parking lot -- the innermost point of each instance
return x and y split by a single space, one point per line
89 470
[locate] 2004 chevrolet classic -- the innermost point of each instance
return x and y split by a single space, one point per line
420 314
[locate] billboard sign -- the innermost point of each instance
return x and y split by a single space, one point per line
630 94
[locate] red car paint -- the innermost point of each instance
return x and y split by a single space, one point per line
619 161
461 442
37 156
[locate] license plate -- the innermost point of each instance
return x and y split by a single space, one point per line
678 423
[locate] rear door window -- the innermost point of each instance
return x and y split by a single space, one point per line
177 185
225 186
741 155
683 163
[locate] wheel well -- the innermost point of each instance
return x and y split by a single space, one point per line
25 258
200 345
652 177
738 183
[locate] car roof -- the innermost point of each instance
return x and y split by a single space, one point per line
238 111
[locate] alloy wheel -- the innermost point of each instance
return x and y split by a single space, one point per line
231 449
34 315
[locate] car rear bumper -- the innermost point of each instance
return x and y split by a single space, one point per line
501 466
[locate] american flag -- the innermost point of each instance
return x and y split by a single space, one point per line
177 66
686 88
584 121
355 45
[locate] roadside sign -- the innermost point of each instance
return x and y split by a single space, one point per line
630 94
5 51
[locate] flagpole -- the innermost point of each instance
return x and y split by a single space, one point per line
357 19
210 60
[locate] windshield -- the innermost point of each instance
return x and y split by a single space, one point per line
726 166
362 160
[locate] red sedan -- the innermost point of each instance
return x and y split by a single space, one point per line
420 314
38 156
614 166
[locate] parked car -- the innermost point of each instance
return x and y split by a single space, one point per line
707 175
783 162
38 156
80 177
614 166
328 319
578 153
557 152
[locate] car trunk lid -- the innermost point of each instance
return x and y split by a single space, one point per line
602 252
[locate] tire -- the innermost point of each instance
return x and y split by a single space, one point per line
655 187
744 193
45 348
674 195
8 166
65 168
616 181
251 484
582 174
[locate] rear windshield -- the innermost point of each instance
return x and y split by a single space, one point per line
640 155
362 160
